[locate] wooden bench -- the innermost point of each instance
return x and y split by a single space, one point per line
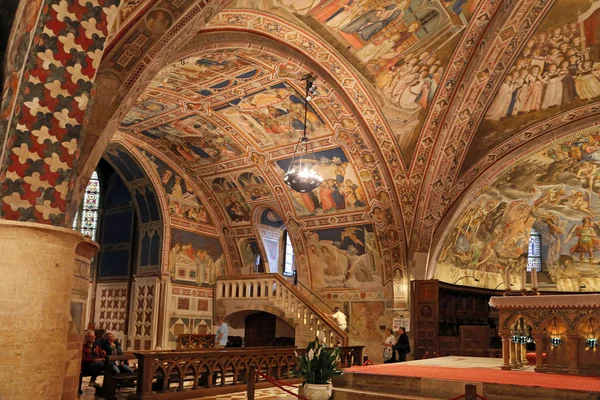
112 380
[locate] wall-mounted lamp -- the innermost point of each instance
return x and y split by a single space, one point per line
592 341
468 276
555 340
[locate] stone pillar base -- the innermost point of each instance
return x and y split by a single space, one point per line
35 294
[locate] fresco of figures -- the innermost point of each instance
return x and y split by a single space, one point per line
195 259
559 69
345 257
274 116
254 187
183 202
252 261
340 191
405 45
557 193
229 196
194 139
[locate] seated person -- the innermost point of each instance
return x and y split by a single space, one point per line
92 359
112 347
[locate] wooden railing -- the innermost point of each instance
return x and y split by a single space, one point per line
193 374
275 288
195 342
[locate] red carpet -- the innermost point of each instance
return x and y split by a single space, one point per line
519 378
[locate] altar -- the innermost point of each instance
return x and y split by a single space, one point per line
563 328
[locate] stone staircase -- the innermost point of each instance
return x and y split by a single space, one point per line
274 294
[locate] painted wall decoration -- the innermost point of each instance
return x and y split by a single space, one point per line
69 40
556 191
404 46
366 317
196 140
558 70
252 259
254 187
231 199
341 188
183 202
346 257
195 259
274 116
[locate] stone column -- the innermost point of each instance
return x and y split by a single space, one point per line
539 351
513 352
85 251
35 295
573 338
524 362
505 349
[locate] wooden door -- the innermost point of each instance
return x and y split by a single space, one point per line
260 330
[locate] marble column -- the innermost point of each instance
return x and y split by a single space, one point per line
539 352
505 349
85 251
35 293
518 356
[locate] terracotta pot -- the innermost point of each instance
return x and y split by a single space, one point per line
313 391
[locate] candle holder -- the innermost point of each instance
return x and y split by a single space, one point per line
591 343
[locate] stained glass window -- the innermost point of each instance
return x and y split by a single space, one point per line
86 219
288 265
534 255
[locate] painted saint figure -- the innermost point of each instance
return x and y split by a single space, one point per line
587 240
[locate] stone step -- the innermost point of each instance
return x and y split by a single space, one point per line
354 394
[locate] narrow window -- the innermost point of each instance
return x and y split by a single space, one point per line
86 218
534 256
288 262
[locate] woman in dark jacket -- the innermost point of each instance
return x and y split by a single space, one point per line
402 346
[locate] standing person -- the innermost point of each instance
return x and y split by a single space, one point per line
222 334
92 358
340 318
402 345
388 347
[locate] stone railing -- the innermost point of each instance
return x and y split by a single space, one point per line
310 321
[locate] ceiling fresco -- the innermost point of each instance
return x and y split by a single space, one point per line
183 203
557 70
402 48
556 191
228 113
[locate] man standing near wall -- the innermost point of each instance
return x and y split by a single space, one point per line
340 318
222 334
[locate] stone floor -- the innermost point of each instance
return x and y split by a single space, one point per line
261 394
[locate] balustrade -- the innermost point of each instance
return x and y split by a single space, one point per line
195 341
282 295
192 374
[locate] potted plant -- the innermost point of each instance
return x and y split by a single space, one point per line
317 366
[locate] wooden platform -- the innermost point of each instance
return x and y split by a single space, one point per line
446 377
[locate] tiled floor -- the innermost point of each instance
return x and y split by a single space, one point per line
261 394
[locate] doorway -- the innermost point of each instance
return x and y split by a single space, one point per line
260 329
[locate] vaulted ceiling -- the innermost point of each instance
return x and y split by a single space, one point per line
419 102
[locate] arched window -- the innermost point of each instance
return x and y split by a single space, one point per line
534 256
86 219
288 260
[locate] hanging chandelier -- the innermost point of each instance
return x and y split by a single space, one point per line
300 175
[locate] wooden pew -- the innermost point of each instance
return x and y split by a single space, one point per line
111 380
